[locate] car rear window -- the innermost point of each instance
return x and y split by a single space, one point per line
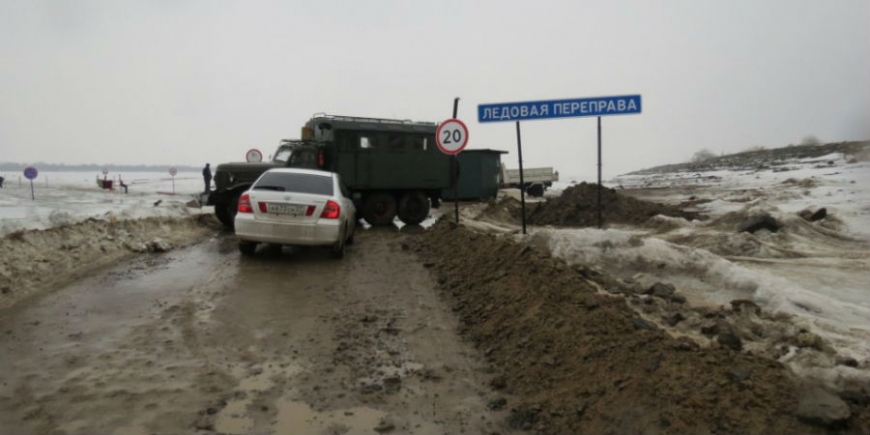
301 183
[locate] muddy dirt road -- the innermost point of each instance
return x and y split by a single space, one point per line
202 340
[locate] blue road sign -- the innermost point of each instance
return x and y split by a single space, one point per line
531 110
30 172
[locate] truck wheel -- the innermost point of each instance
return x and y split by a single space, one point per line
222 213
379 209
232 209
247 248
413 208
536 190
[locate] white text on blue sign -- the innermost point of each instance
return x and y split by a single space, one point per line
530 110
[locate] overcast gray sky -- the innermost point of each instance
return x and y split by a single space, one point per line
186 82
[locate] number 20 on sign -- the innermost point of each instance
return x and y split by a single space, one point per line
451 136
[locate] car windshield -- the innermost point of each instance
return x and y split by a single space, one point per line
282 156
295 182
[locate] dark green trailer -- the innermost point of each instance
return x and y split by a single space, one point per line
479 175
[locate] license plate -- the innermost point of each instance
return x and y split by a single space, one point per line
291 209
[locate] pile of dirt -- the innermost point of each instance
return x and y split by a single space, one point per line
578 207
806 183
583 361
32 260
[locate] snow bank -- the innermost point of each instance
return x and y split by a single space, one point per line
63 198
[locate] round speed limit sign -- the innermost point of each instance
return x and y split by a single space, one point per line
254 155
451 136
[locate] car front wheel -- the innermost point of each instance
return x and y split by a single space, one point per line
247 248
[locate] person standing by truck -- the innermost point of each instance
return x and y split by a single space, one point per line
206 177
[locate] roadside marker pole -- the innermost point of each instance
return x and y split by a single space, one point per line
599 172
456 162
172 172
522 179
32 195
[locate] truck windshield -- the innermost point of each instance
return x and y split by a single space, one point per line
281 156
293 182
304 158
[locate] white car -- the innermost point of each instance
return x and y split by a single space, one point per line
292 206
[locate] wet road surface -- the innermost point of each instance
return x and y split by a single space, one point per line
202 340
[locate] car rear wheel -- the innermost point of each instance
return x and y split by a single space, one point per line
339 247
413 208
247 248
379 209
350 239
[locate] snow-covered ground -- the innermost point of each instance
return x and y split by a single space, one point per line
69 197
816 272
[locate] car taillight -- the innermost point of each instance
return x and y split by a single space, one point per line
310 211
245 204
263 208
331 210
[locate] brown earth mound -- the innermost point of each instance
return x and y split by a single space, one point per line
584 362
578 207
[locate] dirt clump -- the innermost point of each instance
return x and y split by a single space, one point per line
583 361
806 183
578 207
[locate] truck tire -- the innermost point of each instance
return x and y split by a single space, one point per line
536 190
379 209
222 213
413 208
226 211
247 248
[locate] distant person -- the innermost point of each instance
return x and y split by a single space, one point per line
121 183
206 177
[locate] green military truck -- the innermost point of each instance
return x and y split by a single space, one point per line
392 167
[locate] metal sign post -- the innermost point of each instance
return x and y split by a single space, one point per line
522 177
31 173
456 163
172 172
599 172
551 109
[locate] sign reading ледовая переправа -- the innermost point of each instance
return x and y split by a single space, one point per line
531 110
